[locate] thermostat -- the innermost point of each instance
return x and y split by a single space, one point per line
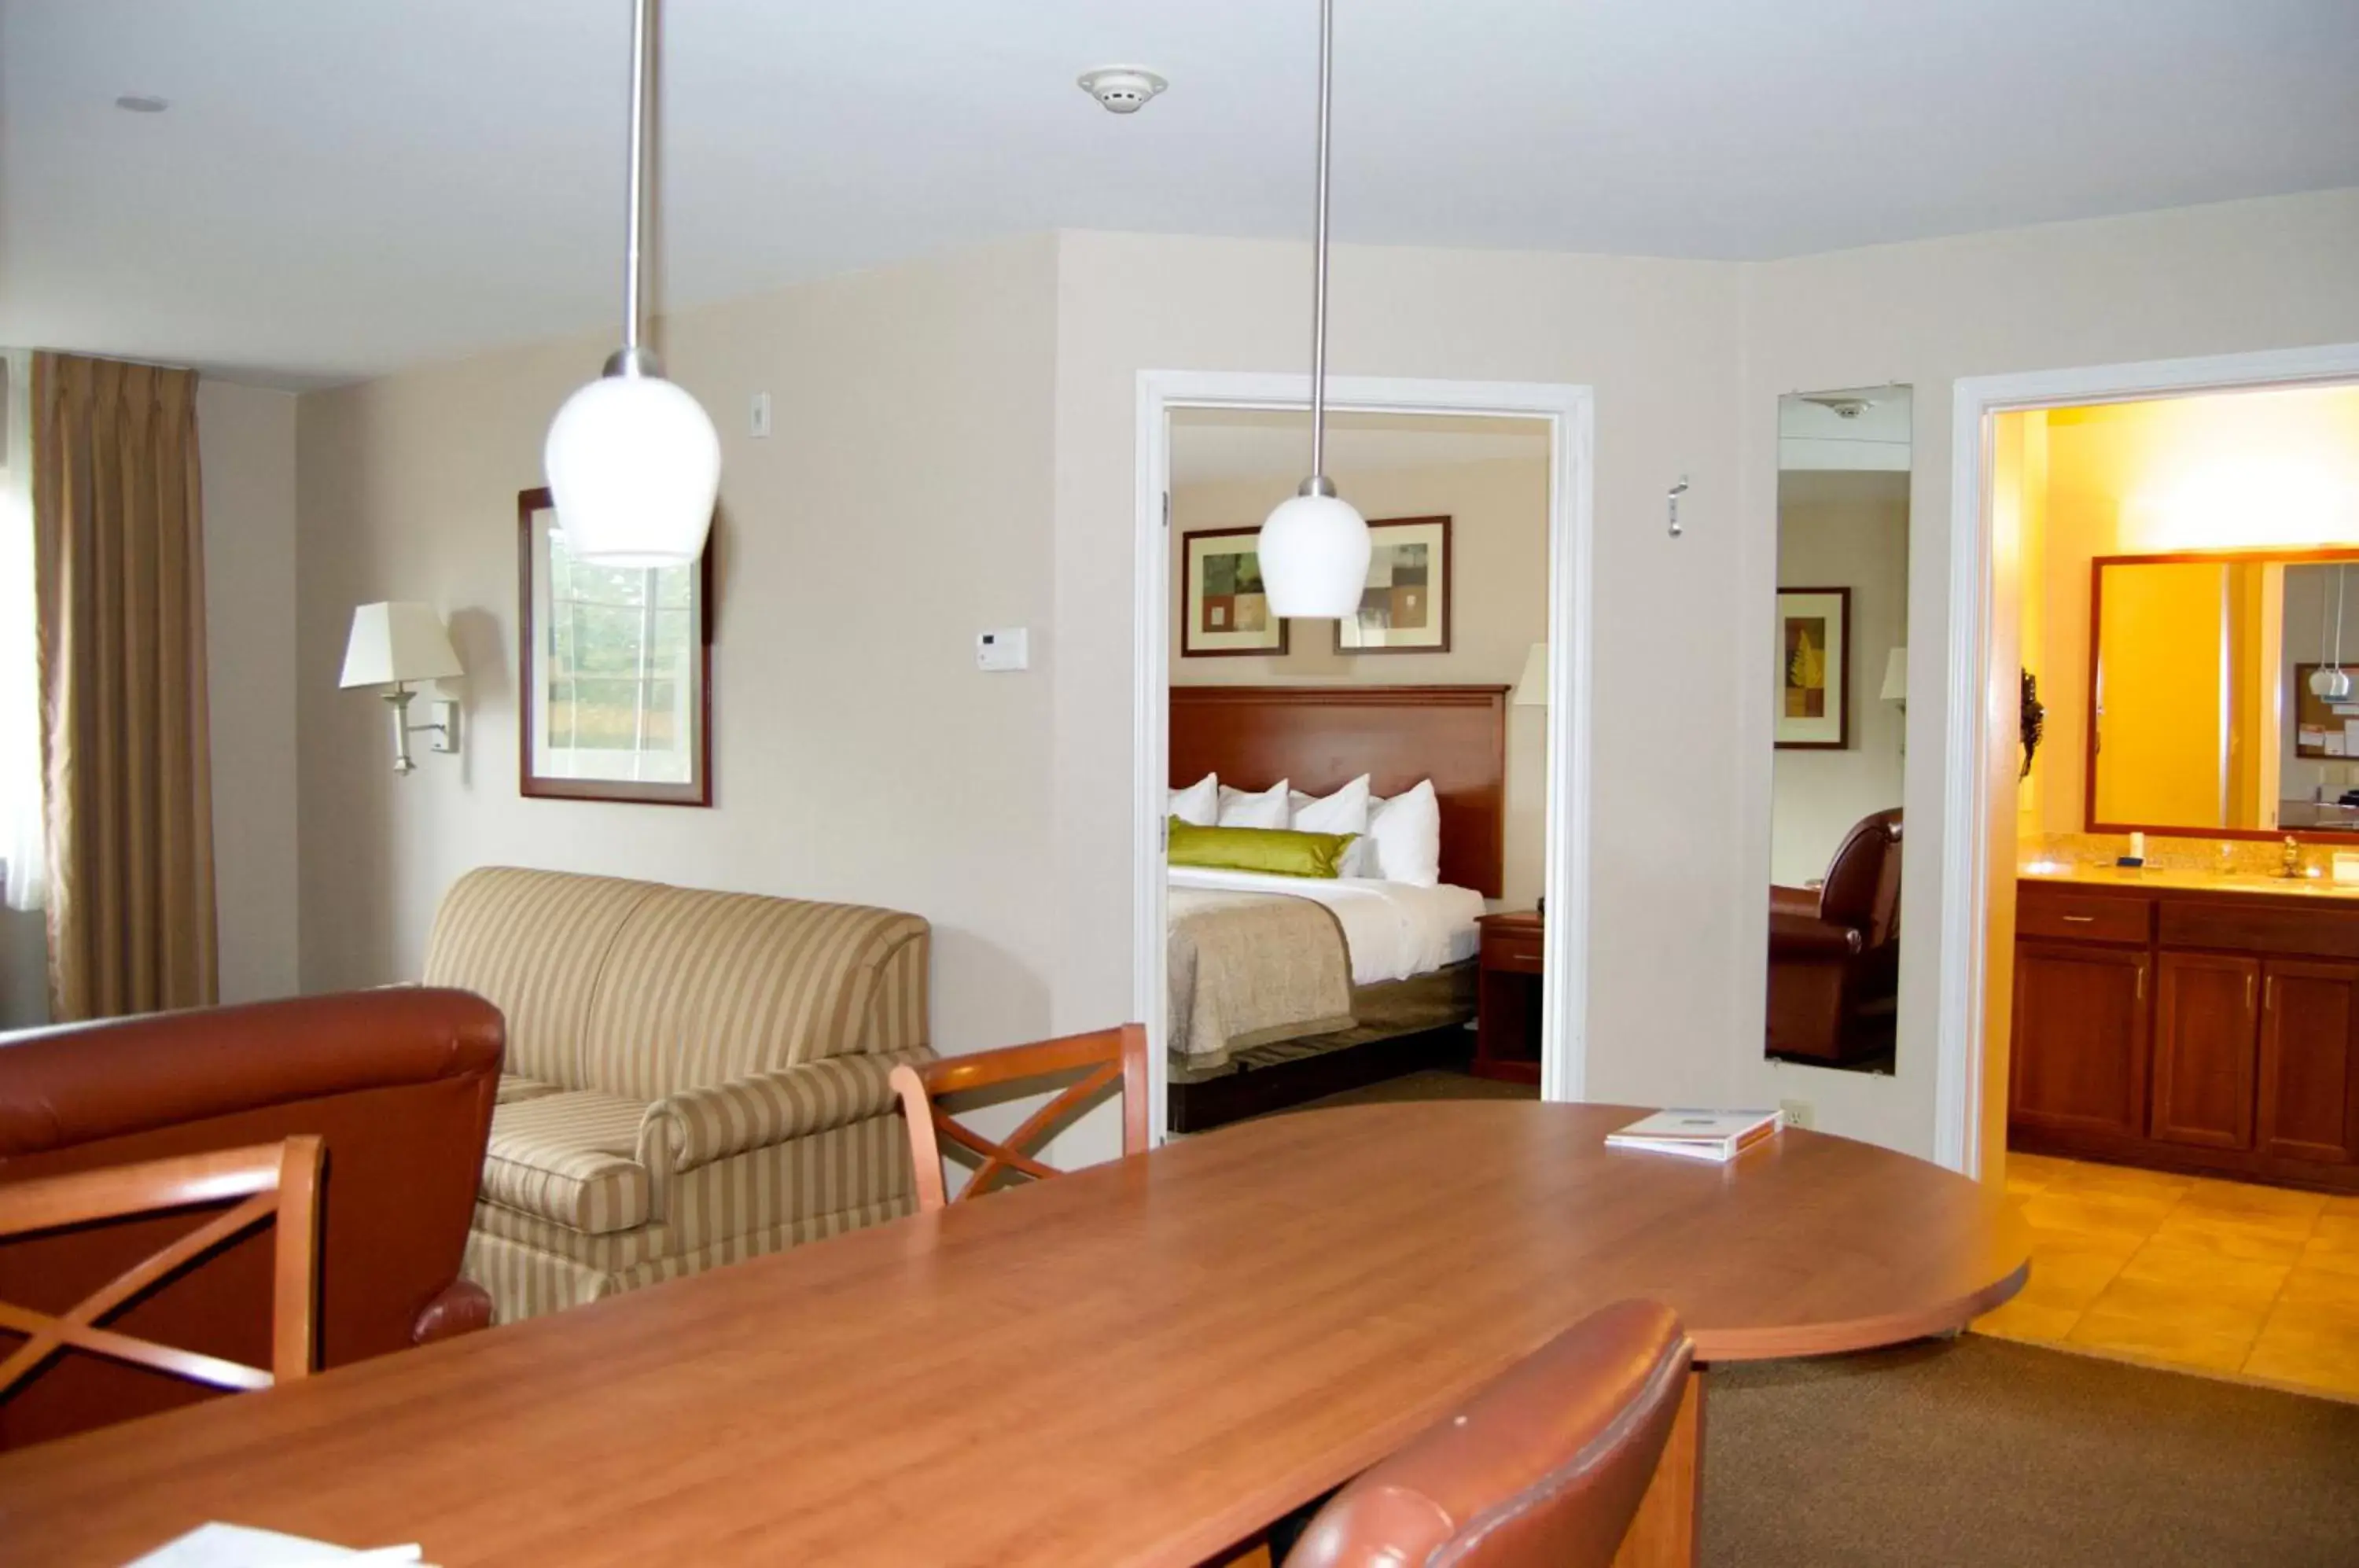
1008 649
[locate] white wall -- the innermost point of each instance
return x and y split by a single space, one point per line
903 505
957 451
1498 564
1842 528
1660 342
246 439
2202 281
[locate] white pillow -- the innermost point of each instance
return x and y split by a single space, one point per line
1199 805
1266 810
1407 832
1344 811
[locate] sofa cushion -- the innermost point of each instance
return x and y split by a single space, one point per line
533 942
516 1086
700 988
567 1158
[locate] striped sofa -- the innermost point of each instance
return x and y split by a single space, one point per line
692 1079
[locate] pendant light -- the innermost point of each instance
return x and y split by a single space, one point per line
633 461
1314 546
2332 685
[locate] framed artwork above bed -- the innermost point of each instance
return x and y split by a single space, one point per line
1223 611
1404 605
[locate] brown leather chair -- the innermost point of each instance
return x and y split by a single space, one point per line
398 1084
1834 951
1543 1469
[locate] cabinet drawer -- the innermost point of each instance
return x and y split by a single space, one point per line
1516 952
2084 917
2240 927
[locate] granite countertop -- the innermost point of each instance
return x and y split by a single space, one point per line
2187 879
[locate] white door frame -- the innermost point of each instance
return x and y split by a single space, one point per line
1569 412
1978 710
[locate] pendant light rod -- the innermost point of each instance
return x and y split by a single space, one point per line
2339 616
631 359
1317 485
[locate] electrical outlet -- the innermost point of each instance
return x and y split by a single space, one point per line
1797 1113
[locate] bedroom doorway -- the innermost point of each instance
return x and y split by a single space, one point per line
1444 729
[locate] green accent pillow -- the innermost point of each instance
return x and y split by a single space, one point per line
1278 852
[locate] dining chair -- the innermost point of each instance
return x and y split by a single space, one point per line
1103 1057
279 1179
1546 1466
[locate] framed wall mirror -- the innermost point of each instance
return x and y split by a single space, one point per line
1840 696
614 672
2219 704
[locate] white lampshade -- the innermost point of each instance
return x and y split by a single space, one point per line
1896 676
1314 558
633 465
397 642
1531 687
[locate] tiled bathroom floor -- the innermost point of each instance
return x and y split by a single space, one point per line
2221 1277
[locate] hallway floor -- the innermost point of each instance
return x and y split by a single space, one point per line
2185 1272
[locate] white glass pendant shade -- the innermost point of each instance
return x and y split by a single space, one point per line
1314 558
633 465
2332 685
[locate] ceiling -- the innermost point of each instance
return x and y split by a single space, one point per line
1212 445
339 189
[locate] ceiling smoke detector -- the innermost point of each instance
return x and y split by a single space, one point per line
1123 89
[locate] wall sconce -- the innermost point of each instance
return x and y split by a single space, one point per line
392 645
1896 678
1531 689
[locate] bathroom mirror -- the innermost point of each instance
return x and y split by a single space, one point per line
2219 701
1840 697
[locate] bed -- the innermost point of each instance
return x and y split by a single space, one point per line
1262 1016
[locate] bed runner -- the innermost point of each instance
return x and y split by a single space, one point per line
1250 968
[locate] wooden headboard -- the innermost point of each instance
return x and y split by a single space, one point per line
1322 737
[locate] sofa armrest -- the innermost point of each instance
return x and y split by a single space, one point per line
461 1307
1807 938
697 1126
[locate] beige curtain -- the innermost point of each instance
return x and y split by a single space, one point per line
119 574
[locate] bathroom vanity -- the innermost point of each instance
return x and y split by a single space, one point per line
2204 1023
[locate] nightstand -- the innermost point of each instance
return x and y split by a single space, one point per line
1508 997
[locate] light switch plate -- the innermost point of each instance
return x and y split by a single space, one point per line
759 421
1008 649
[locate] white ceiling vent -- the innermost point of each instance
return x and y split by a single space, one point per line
1123 89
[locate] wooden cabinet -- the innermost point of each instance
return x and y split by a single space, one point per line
1508 997
2211 1032
2310 1062
2204 1045
2081 1031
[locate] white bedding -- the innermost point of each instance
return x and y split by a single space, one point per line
1393 930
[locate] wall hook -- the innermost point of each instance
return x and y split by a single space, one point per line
1677 491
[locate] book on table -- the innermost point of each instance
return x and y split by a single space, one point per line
1699 1134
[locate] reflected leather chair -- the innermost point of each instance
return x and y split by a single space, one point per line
1834 951
1544 1469
397 1085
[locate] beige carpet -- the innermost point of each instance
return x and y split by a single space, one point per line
1432 1085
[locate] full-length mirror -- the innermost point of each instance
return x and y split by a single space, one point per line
2221 703
1840 696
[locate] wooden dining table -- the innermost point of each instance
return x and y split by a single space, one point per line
1145 1363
